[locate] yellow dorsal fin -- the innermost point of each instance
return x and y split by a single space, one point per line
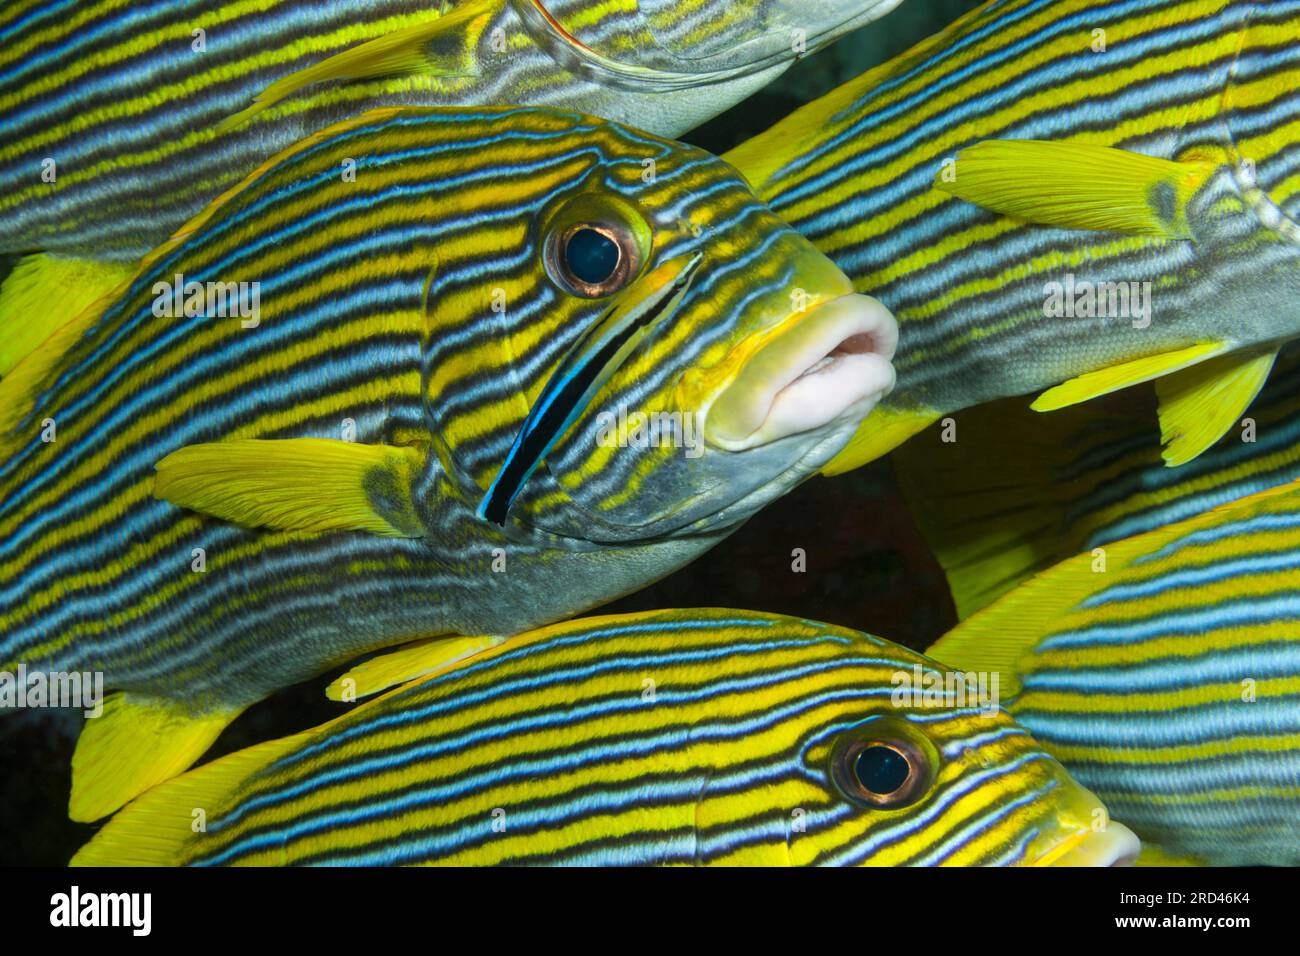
879 433
1113 378
154 828
37 352
302 484
1199 404
406 664
998 637
136 743
415 49
45 293
1078 186
18 389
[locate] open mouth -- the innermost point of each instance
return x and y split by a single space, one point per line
832 363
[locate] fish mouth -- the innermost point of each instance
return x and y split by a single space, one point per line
828 364
1116 845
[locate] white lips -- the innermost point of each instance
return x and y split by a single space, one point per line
1117 845
836 361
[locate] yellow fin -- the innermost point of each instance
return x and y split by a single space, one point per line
999 636
1198 405
414 49
997 501
43 293
1078 186
995 639
1113 378
879 433
154 829
406 664
303 484
30 351
136 743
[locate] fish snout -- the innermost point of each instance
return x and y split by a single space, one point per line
830 363
1116 845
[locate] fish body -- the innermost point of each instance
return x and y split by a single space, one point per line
122 121
208 502
1163 670
1066 196
708 737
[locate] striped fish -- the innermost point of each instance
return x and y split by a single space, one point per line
123 119
672 737
1064 197
1012 493
208 502
1164 672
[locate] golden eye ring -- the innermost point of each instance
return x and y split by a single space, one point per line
874 765
593 260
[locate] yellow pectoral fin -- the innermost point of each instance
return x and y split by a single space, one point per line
136 743
1115 377
1077 186
296 484
1198 405
879 433
415 49
406 664
43 293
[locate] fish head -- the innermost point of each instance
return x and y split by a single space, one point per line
860 762
672 358
665 44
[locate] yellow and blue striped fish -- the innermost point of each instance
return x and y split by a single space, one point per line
1014 492
122 120
308 427
1139 152
707 737
1164 672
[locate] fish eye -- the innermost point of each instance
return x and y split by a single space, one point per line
882 764
593 259
591 255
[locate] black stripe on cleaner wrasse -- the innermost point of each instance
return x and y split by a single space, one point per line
582 372
335 464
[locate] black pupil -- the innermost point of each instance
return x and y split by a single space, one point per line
880 770
591 256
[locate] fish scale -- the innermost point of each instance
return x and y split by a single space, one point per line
547 750
376 309
1168 681
132 115
860 170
